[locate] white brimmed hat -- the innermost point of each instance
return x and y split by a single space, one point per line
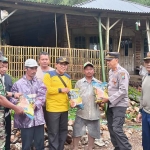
31 63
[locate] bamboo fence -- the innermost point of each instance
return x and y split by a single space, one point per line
18 54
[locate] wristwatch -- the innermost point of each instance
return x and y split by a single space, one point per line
13 94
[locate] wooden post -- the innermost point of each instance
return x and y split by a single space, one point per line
148 34
0 35
107 35
101 49
56 27
67 30
120 36
0 31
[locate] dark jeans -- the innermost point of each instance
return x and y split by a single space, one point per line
116 118
145 130
57 129
8 131
34 133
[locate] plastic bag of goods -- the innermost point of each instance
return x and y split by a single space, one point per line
27 104
75 98
100 90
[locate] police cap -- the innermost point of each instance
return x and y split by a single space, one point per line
147 57
112 55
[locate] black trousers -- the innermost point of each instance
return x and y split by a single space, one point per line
57 129
8 131
34 133
116 119
45 115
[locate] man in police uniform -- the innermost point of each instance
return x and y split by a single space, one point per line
117 102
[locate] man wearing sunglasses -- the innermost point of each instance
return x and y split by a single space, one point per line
118 83
58 84
144 114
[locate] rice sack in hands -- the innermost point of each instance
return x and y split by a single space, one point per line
100 90
27 104
75 99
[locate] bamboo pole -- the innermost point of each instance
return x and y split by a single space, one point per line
101 49
0 31
56 27
148 34
107 35
120 36
68 38
67 30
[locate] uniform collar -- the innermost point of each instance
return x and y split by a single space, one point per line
84 79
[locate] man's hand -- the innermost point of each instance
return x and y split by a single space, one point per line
34 106
64 90
17 95
18 110
72 103
139 117
104 100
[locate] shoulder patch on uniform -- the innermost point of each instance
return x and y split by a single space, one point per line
67 75
122 74
52 73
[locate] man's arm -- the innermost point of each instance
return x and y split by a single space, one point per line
5 103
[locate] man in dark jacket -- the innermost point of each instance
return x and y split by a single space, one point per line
7 84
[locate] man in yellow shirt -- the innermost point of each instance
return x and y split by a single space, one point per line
58 84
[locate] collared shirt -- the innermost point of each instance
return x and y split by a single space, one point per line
118 83
91 109
37 88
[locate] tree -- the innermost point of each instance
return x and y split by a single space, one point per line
145 2
60 2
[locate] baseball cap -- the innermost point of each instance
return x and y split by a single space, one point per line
1 56
147 57
112 55
88 64
31 63
62 59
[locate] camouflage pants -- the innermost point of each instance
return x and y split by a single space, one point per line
2 130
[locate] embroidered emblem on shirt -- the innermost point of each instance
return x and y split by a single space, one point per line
122 75
114 81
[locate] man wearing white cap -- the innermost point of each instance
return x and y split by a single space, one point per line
31 129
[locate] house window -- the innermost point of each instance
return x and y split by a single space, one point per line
145 47
94 43
126 44
80 42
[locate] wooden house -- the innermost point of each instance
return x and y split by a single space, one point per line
83 32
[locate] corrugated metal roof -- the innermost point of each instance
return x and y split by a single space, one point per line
108 5
115 5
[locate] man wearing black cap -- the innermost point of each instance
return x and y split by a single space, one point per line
144 113
90 115
117 102
58 84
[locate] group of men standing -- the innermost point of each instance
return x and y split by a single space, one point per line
49 88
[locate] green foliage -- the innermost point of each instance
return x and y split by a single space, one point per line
72 113
134 94
60 2
144 2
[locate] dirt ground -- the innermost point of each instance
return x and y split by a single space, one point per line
135 140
